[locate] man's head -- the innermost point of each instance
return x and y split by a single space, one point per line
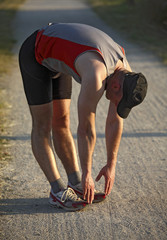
126 90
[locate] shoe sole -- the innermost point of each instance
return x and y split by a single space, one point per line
70 209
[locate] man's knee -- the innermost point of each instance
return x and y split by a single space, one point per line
61 122
41 118
42 127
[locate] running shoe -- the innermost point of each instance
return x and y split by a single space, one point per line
98 196
67 199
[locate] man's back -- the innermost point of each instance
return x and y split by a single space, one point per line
59 45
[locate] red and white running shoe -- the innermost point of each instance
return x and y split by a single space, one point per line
67 199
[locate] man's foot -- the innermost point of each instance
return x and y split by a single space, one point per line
67 199
98 196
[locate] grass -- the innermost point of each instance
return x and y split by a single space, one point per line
8 9
144 22
4 142
7 12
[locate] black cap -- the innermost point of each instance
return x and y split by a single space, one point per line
134 92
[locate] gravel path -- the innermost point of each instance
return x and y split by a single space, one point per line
136 208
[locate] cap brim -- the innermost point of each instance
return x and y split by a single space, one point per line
123 111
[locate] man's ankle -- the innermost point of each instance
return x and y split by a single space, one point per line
74 178
57 185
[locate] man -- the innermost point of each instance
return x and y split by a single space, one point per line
49 59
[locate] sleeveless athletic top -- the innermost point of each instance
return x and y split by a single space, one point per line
58 46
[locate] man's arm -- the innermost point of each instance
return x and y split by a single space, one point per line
114 127
92 70
91 92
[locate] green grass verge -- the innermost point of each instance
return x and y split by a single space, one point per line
144 22
8 9
7 12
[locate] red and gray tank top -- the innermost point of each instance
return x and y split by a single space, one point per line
58 46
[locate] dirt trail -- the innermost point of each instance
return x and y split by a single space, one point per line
136 208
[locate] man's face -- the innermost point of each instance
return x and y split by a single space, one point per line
114 90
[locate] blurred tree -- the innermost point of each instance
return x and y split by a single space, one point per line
131 2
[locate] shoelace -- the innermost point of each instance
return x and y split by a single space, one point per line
69 193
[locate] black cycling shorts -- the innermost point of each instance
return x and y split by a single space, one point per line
40 84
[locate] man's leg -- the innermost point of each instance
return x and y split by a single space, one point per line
41 140
63 140
42 149
65 147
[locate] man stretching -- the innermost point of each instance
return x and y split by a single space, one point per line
48 59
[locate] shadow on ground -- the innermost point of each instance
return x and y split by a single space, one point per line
27 206
99 135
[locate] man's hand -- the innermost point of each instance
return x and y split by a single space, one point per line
109 175
88 187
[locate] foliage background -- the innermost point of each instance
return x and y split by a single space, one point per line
142 21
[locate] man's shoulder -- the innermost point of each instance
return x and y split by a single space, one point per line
90 62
